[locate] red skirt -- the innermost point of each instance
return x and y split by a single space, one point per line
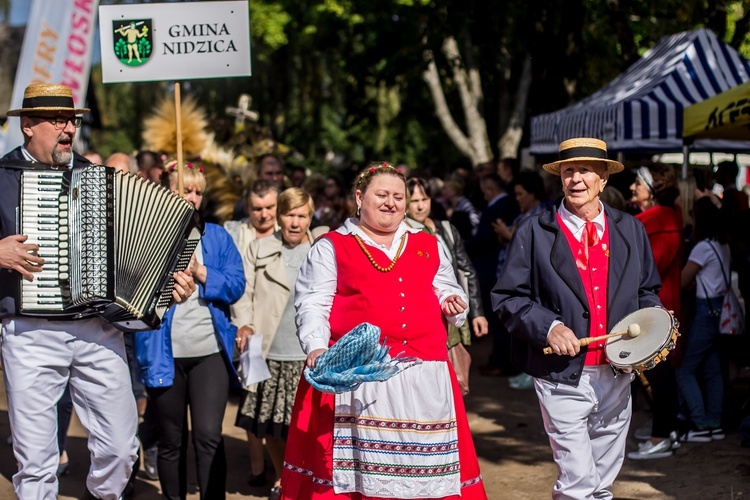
308 463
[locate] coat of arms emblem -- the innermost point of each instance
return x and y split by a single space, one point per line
133 41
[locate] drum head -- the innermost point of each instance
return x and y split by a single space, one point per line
656 330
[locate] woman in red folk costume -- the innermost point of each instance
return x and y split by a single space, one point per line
407 437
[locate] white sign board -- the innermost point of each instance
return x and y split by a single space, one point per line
56 48
174 41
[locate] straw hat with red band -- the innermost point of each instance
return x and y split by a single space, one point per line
583 149
47 97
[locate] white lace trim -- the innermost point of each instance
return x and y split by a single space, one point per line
398 488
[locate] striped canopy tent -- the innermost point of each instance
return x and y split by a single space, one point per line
642 109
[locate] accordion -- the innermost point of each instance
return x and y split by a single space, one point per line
110 241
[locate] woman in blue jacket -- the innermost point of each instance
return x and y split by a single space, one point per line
188 362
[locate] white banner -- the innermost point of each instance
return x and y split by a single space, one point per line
174 41
56 49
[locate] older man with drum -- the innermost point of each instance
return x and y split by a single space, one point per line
573 272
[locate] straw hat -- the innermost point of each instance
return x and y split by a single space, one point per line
49 97
583 149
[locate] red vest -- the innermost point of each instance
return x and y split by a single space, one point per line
594 280
402 302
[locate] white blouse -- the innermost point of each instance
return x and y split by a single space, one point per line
317 280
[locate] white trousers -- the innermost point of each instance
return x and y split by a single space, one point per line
39 357
587 428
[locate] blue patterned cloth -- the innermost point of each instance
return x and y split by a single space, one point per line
356 358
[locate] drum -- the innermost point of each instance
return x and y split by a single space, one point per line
658 336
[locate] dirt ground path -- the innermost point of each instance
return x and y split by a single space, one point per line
513 449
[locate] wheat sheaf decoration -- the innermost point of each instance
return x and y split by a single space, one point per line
160 133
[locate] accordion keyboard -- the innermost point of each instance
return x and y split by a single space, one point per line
45 222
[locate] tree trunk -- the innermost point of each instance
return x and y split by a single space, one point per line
475 145
508 144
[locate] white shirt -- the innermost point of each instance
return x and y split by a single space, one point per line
710 274
576 225
317 281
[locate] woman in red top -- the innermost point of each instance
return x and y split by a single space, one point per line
654 193
407 437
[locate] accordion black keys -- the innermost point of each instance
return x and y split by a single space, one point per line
110 240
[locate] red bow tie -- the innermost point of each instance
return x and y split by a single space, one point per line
589 238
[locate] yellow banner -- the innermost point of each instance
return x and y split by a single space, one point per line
723 116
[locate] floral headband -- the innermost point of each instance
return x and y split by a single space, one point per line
378 168
172 166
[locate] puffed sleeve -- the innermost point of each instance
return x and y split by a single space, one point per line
313 296
445 285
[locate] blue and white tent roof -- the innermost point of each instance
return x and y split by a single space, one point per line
643 107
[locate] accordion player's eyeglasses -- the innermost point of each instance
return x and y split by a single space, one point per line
61 121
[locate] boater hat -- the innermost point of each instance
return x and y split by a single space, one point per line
583 149
49 97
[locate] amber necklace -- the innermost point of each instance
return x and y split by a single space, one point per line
372 260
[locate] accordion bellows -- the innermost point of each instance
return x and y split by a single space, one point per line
111 242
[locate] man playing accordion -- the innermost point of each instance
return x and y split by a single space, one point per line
41 356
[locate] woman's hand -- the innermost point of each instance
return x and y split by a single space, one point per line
312 358
453 306
480 325
241 339
184 285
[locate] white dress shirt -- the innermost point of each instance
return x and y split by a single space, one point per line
317 281
576 225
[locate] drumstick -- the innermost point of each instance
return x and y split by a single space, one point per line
633 330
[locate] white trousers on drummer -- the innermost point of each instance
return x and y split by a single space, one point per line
587 428
39 357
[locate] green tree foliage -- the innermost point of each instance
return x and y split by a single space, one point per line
342 79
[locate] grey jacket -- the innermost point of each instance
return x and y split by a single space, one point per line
540 284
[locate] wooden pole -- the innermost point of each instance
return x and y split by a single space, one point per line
178 125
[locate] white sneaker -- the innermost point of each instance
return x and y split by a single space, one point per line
648 450
717 433
696 436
